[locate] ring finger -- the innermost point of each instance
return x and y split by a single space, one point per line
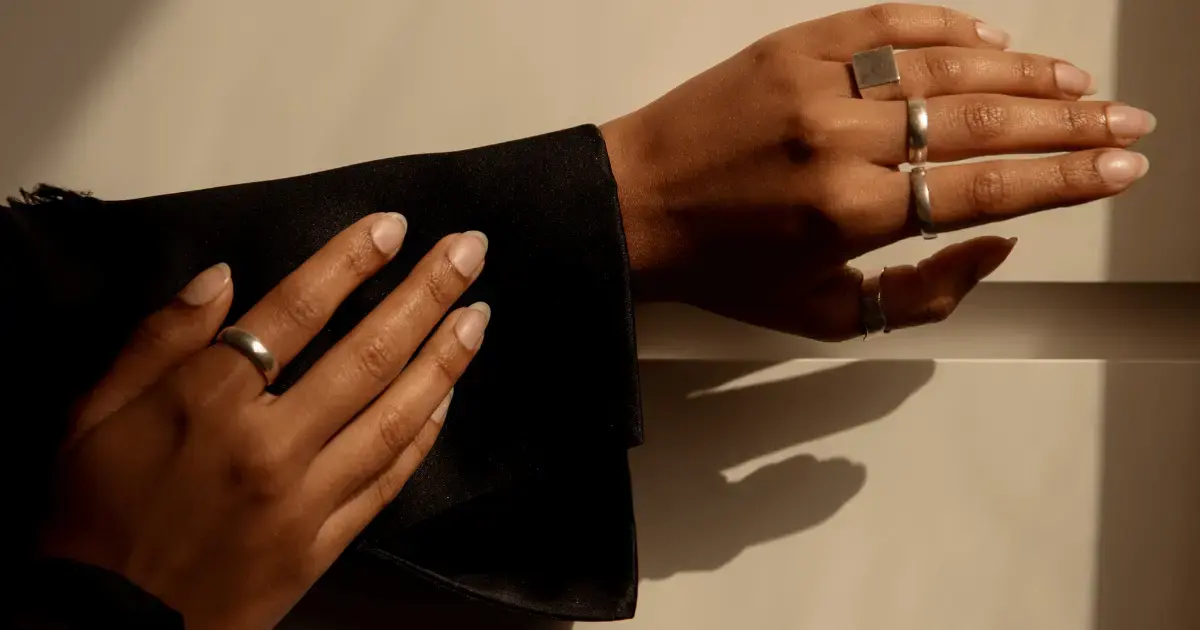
962 127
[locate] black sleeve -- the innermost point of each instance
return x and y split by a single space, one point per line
525 500
57 594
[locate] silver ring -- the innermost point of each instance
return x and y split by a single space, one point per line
918 132
921 204
252 348
874 320
874 68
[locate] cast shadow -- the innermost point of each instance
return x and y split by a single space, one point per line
50 50
689 516
1148 551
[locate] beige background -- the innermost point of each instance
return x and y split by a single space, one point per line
1030 463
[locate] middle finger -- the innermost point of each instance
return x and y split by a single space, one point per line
977 125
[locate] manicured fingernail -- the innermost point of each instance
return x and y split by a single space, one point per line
467 252
1122 167
1072 80
205 287
439 414
388 233
992 35
1130 122
471 324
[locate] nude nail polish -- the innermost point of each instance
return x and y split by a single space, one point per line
992 35
1122 167
467 252
1130 122
1072 80
207 286
471 324
388 233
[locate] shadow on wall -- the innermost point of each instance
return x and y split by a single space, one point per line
1148 554
50 50
689 517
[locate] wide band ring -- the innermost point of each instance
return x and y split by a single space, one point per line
874 320
922 206
252 348
875 68
918 132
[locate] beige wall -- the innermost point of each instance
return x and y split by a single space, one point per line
1029 464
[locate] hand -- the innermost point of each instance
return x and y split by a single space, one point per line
746 190
227 502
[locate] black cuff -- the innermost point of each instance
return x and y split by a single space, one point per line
65 594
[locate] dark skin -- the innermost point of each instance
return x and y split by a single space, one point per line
746 190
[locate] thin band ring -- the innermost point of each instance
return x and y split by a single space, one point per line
874 320
252 348
918 132
922 206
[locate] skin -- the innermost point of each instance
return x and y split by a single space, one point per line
745 191
226 502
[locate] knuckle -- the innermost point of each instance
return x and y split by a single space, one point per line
774 68
1077 119
301 306
1029 68
990 188
984 119
447 365
361 257
886 17
395 430
1077 173
158 333
813 127
376 359
441 287
942 67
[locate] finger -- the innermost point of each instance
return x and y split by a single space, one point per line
364 467
838 37
163 341
363 364
910 295
292 313
967 195
943 70
962 127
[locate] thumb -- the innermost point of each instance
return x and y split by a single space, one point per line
162 341
910 295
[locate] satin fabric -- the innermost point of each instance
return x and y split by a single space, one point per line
525 500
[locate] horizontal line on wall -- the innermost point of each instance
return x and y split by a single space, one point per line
1040 321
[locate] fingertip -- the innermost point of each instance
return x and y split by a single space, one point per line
207 286
993 36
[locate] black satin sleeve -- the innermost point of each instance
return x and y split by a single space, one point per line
525 499
56 594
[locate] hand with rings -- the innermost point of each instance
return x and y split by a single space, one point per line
746 190
226 502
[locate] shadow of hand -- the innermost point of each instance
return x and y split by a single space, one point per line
705 417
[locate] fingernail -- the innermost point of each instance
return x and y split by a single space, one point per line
471 324
466 254
1130 122
1072 80
388 233
1122 167
439 414
205 287
992 35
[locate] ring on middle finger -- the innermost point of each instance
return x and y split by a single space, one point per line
875 69
918 132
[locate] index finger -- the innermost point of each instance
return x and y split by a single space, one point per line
839 36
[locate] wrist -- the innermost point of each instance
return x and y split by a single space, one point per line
647 233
